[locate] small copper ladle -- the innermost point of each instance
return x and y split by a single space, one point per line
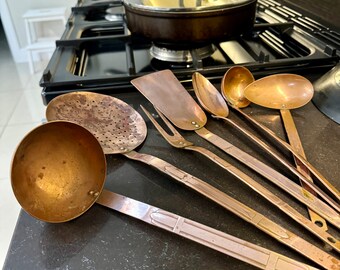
285 92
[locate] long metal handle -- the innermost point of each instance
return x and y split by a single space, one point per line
272 198
263 223
288 147
295 142
207 236
297 171
267 148
259 166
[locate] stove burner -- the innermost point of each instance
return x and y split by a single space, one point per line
181 56
113 18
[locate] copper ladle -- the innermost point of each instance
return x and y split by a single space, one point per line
58 171
213 102
285 92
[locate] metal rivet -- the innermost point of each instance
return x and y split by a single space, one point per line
94 193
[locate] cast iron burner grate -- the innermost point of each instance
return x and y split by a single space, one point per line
103 56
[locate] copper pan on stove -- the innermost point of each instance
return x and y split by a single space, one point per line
189 22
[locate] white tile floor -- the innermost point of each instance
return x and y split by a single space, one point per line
21 109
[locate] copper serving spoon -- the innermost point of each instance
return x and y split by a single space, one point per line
285 92
234 81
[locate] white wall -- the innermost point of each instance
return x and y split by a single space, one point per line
11 16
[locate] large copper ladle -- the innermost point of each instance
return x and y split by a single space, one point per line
58 172
167 94
213 102
285 92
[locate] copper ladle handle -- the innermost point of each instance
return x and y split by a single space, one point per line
275 200
287 146
263 223
204 235
296 144
322 209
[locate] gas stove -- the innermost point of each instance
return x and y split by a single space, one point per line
98 53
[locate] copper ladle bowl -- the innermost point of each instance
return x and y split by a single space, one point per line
58 171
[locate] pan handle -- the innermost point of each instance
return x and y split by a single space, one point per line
248 214
204 235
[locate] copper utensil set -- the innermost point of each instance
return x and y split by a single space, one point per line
84 126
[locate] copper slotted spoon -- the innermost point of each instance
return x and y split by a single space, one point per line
115 123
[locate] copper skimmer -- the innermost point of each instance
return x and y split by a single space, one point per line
178 141
167 94
119 128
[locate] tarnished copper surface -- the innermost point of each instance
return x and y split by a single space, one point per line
116 125
208 96
58 171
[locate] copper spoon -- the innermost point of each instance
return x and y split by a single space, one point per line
234 81
285 92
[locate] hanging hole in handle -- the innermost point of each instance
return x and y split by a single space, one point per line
331 239
319 223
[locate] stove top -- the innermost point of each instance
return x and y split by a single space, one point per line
97 52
